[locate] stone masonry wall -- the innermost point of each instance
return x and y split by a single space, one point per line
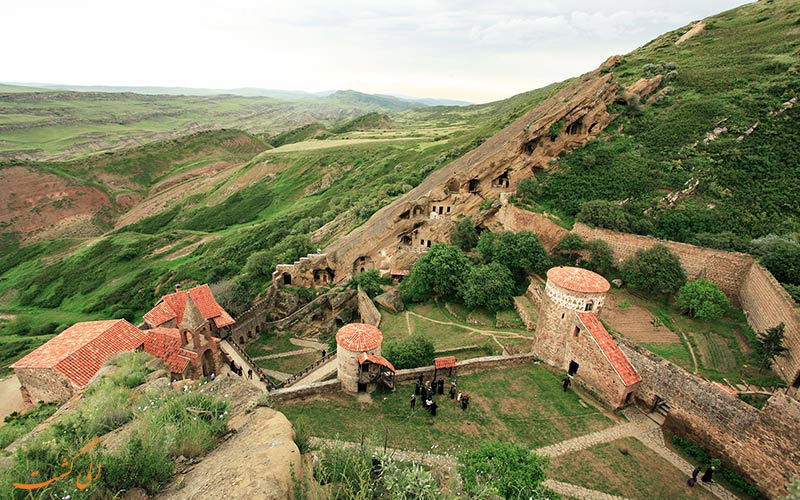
515 219
726 269
44 384
759 445
767 304
367 310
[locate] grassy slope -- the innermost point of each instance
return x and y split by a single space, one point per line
68 124
736 73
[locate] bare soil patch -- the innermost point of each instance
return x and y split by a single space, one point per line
10 397
634 321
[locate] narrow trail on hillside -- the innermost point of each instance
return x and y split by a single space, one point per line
488 333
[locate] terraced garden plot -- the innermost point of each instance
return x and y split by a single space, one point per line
524 404
639 474
629 316
715 351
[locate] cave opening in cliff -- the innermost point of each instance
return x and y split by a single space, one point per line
473 185
502 180
287 279
575 127
529 146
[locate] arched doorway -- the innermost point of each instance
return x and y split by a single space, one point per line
209 366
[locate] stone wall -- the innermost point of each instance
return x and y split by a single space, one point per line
467 367
767 304
43 384
304 391
515 219
726 269
761 445
367 310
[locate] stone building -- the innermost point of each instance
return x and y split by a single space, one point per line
67 362
360 366
169 311
569 335
179 331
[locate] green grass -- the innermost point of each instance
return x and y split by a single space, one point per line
290 364
17 425
639 474
677 353
524 404
270 343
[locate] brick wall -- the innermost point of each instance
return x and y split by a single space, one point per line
761 445
767 304
43 384
726 269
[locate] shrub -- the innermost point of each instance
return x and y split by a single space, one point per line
410 352
408 482
302 437
370 281
515 472
439 272
703 299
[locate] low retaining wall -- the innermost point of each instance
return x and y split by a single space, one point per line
326 387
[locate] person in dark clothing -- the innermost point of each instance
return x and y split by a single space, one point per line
413 401
323 354
250 374
418 388
433 408
707 475
464 401
441 386
452 392
566 382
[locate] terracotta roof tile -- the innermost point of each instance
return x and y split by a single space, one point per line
378 360
81 350
444 362
359 337
173 306
400 272
578 280
165 343
610 349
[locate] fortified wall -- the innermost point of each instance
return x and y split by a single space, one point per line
760 445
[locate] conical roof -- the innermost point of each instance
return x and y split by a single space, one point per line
359 337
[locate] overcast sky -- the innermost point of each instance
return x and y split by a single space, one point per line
476 50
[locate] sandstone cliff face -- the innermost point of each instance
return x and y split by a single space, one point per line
400 232
255 463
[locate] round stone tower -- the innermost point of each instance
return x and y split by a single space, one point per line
568 289
351 341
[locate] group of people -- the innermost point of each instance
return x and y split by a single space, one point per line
707 475
427 390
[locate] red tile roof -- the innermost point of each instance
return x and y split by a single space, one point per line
172 306
444 362
378 360
81 350
359 337
578 280
165 343
400 272
610 349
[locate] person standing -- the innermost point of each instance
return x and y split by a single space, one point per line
452 391
441 386
707 475
323 354
433 408
693 480
413 401
250 374
566 382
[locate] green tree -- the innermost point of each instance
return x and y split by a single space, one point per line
781 255
370 281
601 258
769 345
703 299
527 189
438 273
515 472
490 286
464 235
603 213
570 245
522 253
409 352
656 270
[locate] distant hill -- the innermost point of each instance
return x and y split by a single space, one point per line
357 98
299 134
370 121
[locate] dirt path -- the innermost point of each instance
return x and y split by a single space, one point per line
10 397
489 333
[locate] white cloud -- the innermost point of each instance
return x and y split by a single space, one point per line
443 48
